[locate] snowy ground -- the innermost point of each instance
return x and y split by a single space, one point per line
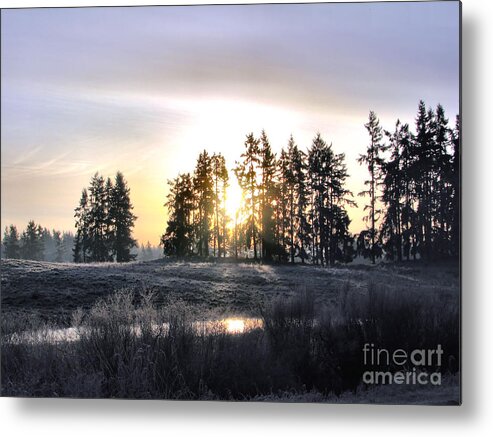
55 290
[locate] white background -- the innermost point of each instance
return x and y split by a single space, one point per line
475 417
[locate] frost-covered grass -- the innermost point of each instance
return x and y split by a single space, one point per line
309 350
54 290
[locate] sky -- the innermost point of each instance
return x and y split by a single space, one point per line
143 90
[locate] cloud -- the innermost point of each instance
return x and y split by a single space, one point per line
142 89
309 56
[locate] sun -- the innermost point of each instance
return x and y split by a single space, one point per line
234 199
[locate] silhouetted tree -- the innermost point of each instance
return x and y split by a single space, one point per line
104 222
267 194
81 242
178 239
11 242
246 173
32 242
120 220
220 180
289 179
393 182
373 160
99 249
59 246
300 168
330 222
282 216
456 192
204 196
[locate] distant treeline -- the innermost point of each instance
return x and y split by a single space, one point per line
37 243
148 252
294 206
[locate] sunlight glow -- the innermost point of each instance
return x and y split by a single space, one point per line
235 326
219 122
234 200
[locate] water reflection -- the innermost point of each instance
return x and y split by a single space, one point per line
235 326
231 326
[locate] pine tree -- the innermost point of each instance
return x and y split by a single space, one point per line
442 185
49 250
32 243
204 195
148 251
328 174
178 239
97 220
11 243
282 206
246 173
423 179
456 191
267 197
81 242
394 187
373 160
299 169
121 220
289 178
110 205
59 246
220 183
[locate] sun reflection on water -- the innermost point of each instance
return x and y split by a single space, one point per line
235 326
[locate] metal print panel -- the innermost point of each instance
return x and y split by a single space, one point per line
237 202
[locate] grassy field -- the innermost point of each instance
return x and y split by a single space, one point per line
315 321
56 290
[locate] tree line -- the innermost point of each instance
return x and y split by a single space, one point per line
37 243
294 206
414 188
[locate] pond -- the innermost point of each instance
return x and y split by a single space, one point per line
231 325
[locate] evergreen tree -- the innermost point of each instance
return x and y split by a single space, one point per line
299 169
59 246
330 222
220 182
121 220
289 179
104 222
11 242
98 219
393 182
49 250
441 185
456 191
111 204
82 243
282 206
267 194
148 251
373 160
204 195
423 179
32 242
246 173
68 240
178 239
